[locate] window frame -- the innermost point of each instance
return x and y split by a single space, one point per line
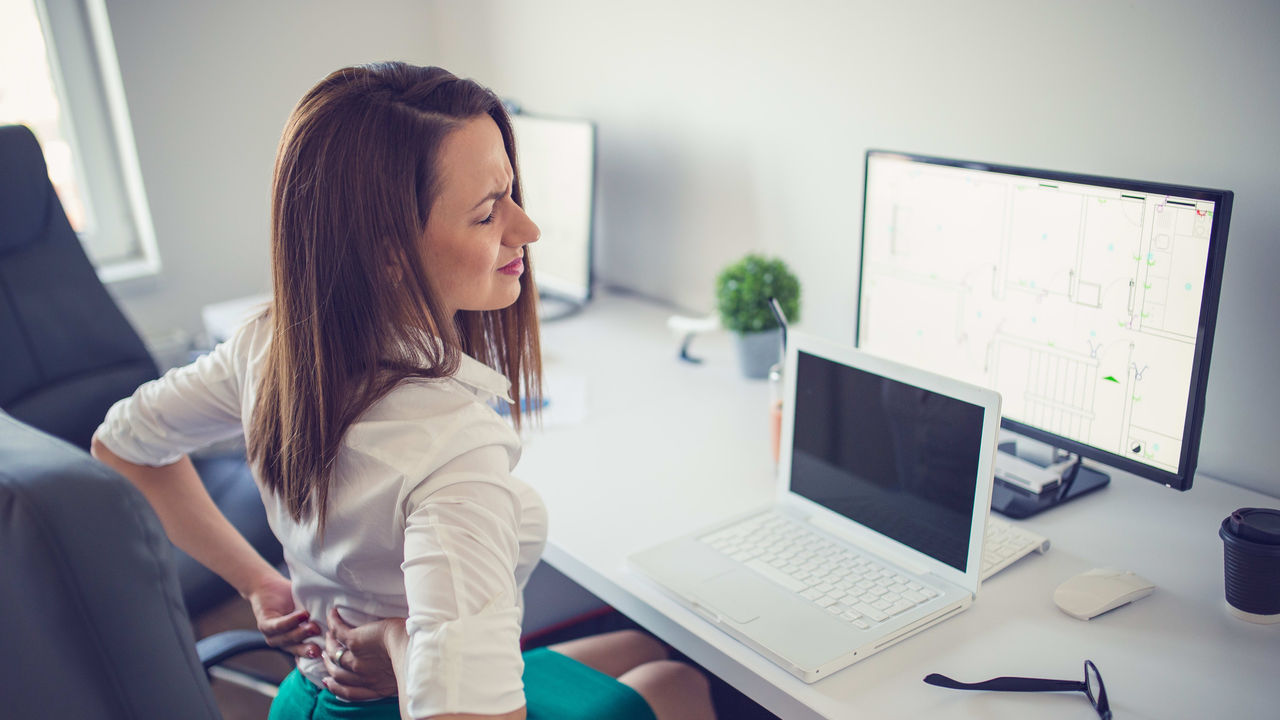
82 58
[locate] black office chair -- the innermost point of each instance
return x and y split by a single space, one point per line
67 352
91 614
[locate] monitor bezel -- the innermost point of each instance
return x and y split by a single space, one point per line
556 293
1206 324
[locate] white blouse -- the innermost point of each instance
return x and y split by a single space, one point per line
425 520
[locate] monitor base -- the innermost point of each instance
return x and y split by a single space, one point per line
552 308
1014 502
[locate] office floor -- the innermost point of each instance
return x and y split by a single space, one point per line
238 703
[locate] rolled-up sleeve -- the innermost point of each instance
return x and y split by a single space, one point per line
461 550
187 409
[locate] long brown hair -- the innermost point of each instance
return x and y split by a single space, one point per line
353 312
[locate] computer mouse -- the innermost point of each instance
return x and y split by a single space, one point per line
1096 591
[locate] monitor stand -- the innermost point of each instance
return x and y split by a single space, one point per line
1015 502
552 308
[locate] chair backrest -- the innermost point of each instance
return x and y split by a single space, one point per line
92 623
66 351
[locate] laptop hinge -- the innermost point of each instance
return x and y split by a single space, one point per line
833 527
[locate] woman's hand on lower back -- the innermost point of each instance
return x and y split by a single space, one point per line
282 623
357 658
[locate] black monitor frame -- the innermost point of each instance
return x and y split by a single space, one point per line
1222 199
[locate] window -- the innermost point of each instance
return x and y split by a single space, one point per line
59 76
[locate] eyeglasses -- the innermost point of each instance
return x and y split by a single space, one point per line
1092 686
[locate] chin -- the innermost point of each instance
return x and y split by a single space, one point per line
511 302
500 302
512 295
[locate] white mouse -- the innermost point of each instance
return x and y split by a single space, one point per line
1092 593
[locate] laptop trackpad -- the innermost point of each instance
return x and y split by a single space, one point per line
734 595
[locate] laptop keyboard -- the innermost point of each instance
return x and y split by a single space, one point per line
839 579
1006 543
834 577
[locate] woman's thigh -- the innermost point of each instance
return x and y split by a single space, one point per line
613 653
673 690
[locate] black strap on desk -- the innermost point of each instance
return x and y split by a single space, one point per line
1008 684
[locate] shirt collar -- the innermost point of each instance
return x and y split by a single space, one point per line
481 377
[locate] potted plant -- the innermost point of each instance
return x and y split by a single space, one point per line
743 290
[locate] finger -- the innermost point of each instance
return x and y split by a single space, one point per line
339 627
342 675
333 652
331 644
348 692
336 620
294 636
344 658
283 623
303 650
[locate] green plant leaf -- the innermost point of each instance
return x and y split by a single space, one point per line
743 290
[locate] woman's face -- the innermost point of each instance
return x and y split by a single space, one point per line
476 233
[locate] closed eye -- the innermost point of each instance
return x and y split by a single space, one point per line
495 198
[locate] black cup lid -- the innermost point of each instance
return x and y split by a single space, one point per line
1261 525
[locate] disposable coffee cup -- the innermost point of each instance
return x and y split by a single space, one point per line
1251 563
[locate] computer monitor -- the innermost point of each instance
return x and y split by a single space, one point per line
1088 302
557 180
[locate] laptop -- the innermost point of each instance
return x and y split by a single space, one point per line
876 533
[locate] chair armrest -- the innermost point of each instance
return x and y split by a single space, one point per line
218 647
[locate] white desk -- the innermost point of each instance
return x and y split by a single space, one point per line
667 447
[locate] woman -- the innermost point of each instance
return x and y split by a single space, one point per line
400 268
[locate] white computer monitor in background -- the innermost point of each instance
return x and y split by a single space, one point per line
557 176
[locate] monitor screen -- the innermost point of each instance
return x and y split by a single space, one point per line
1088 303
557 180
896 458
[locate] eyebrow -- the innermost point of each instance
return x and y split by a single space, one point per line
493 196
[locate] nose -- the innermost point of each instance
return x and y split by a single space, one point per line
522 231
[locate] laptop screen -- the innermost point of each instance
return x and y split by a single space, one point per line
898 459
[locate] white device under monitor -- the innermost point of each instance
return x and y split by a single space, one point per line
877 530
1088 303
557 181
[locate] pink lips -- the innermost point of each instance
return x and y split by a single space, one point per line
515 267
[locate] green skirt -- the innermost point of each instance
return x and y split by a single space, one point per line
555 688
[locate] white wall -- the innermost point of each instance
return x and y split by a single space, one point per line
209 87
735 125
727 126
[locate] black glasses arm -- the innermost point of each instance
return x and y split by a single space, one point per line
1008 684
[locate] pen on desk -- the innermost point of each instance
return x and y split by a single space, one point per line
775 385
782 319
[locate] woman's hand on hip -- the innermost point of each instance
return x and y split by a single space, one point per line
357 659
283 624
